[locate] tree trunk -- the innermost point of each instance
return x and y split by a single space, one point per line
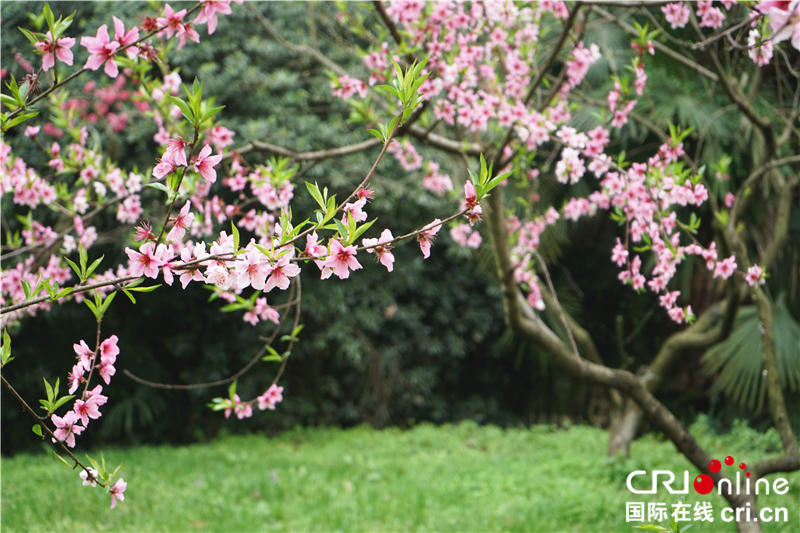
625 423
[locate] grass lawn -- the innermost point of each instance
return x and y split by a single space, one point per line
450 478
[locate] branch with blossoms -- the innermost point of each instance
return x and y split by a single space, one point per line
102 49
473 91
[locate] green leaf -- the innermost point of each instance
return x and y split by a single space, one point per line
48 15
313 190
94 266
31 37
38 430
83 257
393 123
341 228
390 90
398 72
109 299
61 401
49 390
114 473
129 295
26 288
93 307
8 101
6 347
361 229
74 267
232 390
17 120
94 463
272 351
62 293
62 459
494 182
183 106
211 112
235 233
331 209
377 134
151 288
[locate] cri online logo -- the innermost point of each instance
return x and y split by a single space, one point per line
703 484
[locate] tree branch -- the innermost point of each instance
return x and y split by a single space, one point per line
691 63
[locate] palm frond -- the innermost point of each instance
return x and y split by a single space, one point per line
738 359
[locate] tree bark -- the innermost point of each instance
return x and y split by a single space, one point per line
625 423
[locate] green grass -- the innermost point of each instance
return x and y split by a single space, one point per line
451 478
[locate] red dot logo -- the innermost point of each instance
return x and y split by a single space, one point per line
703 484
729 460
714 466
742 466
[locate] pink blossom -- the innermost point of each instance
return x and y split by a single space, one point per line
470 194
341 261
86 410
785 23
109 350
95 393
76 378
67 428
124 39
85 355
116 492
55 50
89 477
218 275
187 31
272 396
315 250
176 152
209 13
676 314
30 131
205 163
181 222
755 276
171 21
106 371
669 299
381 249
143 262
729 199
426 237
283 270
252 270
725 268
221 137
164 167
355 210
760 52
101 51
265 312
